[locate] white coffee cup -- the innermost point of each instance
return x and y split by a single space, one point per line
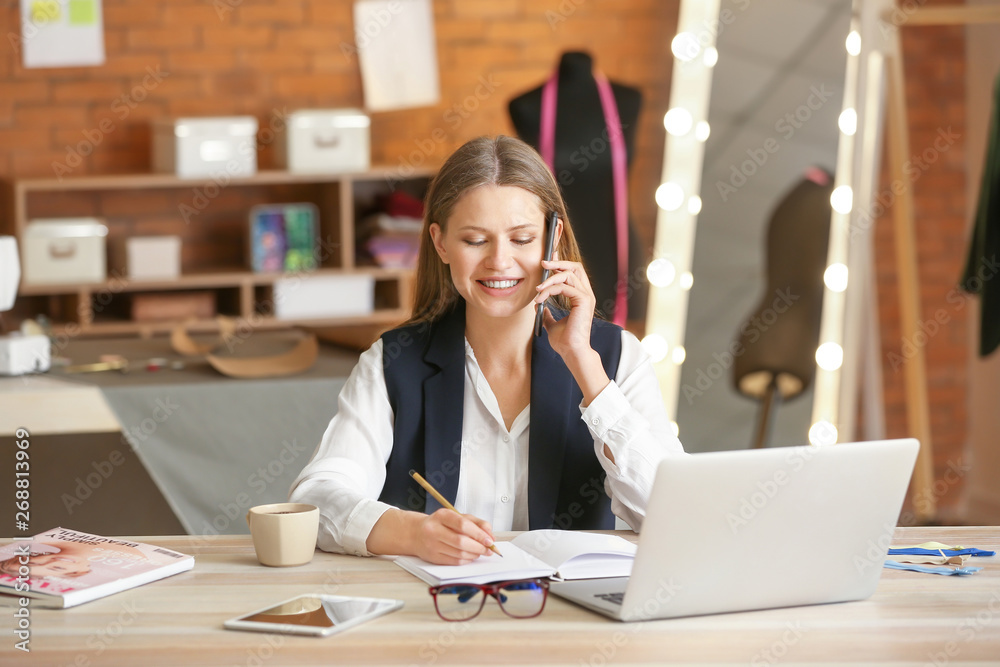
284 534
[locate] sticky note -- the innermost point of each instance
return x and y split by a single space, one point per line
45 11
82 12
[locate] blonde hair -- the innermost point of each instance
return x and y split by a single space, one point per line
499 161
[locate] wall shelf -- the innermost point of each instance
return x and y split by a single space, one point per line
211 217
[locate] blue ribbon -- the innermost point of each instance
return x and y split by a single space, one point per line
917 551
895 565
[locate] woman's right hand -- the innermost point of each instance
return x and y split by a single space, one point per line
444 537
449 538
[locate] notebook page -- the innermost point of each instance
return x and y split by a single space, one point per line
579 554
515 564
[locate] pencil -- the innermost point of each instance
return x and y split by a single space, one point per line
444 502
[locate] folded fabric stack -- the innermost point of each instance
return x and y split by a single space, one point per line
391 237
393 242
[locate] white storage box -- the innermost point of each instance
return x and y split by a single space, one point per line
10 272
205 147
324 141
153 257
24 354
318 297
65 250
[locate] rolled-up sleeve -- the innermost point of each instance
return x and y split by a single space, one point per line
629 416
347 472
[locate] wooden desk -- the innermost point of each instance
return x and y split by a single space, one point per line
912 618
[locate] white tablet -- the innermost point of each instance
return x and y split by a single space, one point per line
318 615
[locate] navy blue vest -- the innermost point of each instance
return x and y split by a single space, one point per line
424 368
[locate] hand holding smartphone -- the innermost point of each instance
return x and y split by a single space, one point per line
550 242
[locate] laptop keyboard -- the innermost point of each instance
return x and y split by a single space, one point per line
613 598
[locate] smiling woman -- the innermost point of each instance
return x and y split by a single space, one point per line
451 393
60 558
501 163
492 248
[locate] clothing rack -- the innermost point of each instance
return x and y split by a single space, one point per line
915 370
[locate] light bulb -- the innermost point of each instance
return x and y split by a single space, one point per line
687 280
835 277
848 122
823 433
685 47
678 121
694 205
711 56
656 347
701 130
829 356
842 199
661 272
669 196
678 355
853 43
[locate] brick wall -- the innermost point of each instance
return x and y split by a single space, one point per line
934 60
226 57
255 56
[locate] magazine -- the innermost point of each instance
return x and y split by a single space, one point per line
63 568
559 554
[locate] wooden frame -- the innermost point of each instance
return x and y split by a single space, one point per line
915 372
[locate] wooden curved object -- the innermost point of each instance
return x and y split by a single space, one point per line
297 360
184 344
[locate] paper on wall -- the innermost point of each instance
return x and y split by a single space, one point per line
397 54
61 33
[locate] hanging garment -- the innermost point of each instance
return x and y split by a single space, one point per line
619 166
983 265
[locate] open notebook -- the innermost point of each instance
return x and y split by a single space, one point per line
559 554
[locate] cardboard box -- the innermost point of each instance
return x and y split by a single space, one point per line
320 297
324 141
205 147
150 257
173 306
65 250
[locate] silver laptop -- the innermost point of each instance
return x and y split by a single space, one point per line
755 529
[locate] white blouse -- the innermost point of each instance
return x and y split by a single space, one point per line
347 471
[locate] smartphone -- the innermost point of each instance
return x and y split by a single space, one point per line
316 615
550 243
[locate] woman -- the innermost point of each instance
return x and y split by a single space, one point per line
449 394
45 560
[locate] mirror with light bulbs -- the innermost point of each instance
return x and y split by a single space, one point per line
757 99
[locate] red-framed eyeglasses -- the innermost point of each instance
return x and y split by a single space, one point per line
524 598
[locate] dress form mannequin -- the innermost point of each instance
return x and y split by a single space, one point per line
779 338
583 171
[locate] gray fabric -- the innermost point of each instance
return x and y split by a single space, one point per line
216 449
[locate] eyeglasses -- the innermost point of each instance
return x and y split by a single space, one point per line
518 599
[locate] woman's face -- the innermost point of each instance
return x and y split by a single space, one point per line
55 565
493 246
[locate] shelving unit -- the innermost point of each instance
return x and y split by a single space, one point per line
212 219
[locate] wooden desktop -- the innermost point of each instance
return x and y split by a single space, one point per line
912 618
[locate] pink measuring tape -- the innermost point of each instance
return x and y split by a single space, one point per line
619 164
